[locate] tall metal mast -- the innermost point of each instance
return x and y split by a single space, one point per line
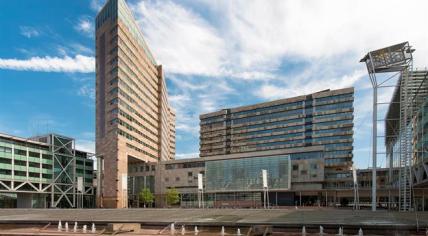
396 58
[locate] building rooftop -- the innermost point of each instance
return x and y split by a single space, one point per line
322 93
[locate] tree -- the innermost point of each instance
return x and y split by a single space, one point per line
172 196
146 197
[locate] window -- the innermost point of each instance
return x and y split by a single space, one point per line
34 164
20 152
46 166
190 174
5 161
114 111
166 179
6 149
114 101
314 166
177 178
304 172
34 154
20 173
295 167
34 175
20 163
113 81
153 168
114 121
46 176
114 91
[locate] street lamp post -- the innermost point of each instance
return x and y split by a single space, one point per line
265 189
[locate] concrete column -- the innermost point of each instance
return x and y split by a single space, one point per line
326 199
100 169
12 183
40 168
423 199
27 166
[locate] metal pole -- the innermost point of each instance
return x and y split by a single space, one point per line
374 149
374 130
374 142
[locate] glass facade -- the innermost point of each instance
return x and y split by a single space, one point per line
245 174
420 136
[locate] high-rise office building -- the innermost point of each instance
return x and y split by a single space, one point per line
323 119
134 121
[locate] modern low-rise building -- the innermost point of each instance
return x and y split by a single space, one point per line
235 181
134 121
45 171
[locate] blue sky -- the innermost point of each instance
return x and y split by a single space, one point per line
216 54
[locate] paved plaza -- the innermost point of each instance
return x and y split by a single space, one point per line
231 217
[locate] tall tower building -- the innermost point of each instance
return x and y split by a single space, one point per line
134 121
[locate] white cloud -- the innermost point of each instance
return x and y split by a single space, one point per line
317 29
182 40
79 63
96 5
186 155
313 82
85 142
85 145
252 39
74 49
193 96
87 90
29 32
85 26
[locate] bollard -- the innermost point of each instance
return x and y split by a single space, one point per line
84 229
93 229
360 232
238 232
303 230
183 230
340 231
196 230
222 230
66 226
172 228
321 230
59 226
75 227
